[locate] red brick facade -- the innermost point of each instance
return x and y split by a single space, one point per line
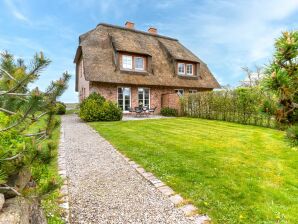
109 91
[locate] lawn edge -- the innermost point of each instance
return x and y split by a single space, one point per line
189 210
64 199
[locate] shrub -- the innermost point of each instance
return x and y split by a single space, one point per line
96 108
292 133
169 112
60 108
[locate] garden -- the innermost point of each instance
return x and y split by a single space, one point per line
234 152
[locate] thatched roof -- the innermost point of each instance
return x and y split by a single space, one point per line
99 50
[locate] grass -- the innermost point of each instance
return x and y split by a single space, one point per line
72 111
234 173
47 177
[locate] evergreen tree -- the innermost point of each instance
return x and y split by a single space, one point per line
282 77
20 107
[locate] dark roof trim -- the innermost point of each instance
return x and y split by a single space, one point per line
78 54
135 31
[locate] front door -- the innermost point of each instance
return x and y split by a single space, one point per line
124 94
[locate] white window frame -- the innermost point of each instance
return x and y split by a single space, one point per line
144 96
187 73
124 57
124 111
139 69
181 73
180 92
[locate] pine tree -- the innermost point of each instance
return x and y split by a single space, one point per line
282 77
20 107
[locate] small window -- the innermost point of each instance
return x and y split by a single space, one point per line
127 62
180 92
139 63
189 69
193 91
181 68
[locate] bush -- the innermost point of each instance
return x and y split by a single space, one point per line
292 133
96 108
169 112
60 108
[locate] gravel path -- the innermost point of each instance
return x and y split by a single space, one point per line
104 188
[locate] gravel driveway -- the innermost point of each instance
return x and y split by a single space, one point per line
104 188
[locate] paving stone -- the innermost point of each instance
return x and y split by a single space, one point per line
176 199
64 205
188 209
147 175
160 184
140 170
166 190
202 219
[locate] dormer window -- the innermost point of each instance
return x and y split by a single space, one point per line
186 69
189 69
126 62
181 68
139 63
133 62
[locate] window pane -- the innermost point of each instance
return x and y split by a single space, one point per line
181 68
127 61
124 98
139 63
189 69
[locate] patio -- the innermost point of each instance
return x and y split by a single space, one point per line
131 117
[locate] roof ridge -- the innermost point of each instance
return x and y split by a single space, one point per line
136 31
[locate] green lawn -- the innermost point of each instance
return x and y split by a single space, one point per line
232 172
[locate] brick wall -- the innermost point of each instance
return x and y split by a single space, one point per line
83 84
171 100
159 96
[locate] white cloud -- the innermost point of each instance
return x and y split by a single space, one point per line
231 34
15 11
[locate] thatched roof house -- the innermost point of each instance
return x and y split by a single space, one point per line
111 57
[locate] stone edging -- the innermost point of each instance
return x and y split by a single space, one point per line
64 200
189 210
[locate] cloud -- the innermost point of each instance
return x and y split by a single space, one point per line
15 11
231 34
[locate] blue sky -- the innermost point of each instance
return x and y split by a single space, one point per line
227 35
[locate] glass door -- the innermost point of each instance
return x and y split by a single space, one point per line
124 98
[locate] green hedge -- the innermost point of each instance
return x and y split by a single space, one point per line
96 108
242 105
60 108
169 112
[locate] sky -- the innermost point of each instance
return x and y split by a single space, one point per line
227 35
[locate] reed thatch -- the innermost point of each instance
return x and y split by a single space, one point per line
99 50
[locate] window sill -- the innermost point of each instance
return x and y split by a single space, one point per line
188 76
134 72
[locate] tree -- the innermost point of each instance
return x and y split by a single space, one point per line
282 77
20 107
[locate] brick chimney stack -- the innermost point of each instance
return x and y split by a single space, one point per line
129 25
152 30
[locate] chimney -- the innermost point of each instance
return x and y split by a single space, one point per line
129 25
152 30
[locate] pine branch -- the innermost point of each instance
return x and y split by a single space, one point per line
6 187
13 157
9 75
7 111
35 134
13 94
18 122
